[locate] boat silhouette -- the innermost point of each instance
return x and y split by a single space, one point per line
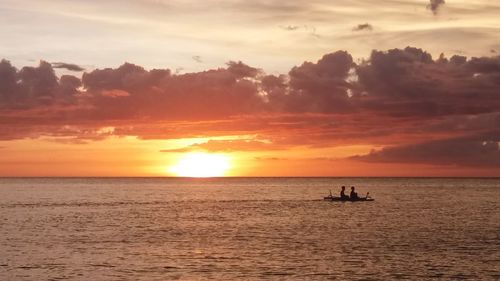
340 199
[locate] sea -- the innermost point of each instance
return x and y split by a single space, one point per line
249 229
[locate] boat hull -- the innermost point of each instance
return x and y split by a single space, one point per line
338 199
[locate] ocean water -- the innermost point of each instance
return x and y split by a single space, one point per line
248 229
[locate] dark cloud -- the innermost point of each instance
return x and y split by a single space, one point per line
241 70
409 83
197 59
478 151
68 66
434 5
159 95
364 26
321 86
8 82
34 86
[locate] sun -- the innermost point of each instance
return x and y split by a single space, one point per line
201 165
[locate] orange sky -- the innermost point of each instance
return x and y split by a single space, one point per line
267 88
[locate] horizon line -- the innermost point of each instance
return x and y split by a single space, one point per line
237 177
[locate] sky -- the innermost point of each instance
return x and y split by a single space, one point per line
250 88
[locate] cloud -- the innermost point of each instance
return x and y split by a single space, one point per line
478 151
289 27
319 87
364 26
241 70
227 146
308 29
409 83
197 59
434 5
32 87
271 159
159 95
68 66
393 98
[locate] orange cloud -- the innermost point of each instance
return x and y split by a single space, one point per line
228 146
399 97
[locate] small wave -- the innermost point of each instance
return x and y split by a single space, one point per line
102 265
29 267
276 273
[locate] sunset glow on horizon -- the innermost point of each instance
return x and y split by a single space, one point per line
267 88
201 165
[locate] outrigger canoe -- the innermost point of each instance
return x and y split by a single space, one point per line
339 199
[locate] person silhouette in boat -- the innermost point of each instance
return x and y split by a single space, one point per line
354 195
342 194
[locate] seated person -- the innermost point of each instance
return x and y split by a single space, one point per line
354 195
342 194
